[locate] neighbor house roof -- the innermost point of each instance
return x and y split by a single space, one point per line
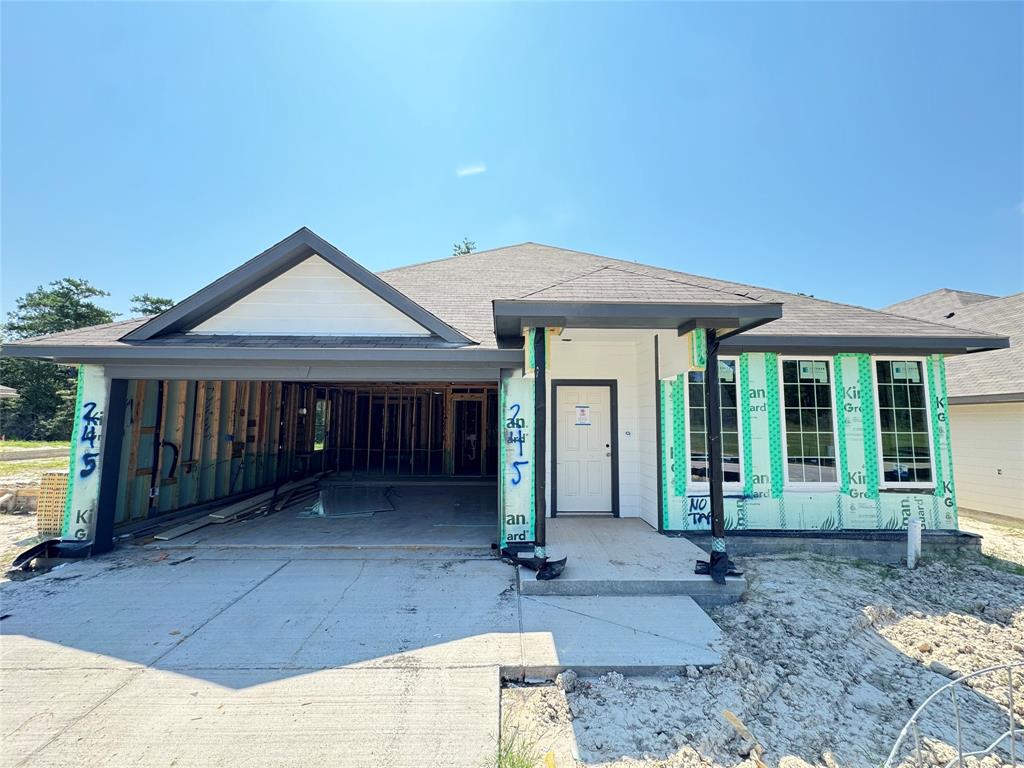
460 298
993 376
937 305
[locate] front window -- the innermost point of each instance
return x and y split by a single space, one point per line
810 433
903 421
731 473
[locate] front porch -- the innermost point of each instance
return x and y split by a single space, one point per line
625 556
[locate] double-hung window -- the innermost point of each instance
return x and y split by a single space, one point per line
809 419
732 471
905 443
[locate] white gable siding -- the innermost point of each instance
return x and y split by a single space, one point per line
313 298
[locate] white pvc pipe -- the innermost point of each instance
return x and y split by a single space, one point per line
913 541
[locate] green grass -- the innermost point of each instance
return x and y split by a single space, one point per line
4 444
516 751
31 466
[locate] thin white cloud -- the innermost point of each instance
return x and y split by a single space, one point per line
471 170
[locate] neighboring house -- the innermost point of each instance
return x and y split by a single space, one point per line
573 382
986 398
7 393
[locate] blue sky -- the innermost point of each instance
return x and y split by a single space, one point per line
860 152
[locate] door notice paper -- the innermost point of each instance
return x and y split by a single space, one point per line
582 415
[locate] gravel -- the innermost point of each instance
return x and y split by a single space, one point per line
823 663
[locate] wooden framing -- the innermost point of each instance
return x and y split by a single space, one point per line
193 442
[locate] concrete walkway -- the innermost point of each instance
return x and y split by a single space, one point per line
626 556
208 657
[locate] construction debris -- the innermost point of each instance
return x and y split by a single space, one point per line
260 504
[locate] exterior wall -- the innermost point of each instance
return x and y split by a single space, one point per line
647 431
516 468
627 357
191 442
988 443
766 501
85 468
312 298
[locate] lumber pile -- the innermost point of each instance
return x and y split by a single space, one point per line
259 505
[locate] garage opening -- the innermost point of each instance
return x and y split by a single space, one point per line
398 463
406 431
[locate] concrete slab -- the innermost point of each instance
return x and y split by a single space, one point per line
625 556
632 635
400 718
107 614
155 658
434 516
39 705
319 614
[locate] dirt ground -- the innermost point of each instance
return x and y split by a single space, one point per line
15 528
823 662
18 528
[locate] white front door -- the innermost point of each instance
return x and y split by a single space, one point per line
584 449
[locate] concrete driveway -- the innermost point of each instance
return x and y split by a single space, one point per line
155 658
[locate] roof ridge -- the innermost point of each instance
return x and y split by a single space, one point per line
456 256
694 285
563 282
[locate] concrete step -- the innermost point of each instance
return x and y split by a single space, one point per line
577 582
631 635
626 556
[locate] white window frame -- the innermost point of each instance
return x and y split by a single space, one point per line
882 482
696 487
803 485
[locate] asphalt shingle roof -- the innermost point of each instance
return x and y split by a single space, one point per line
618 284
459 290
935 306
997 372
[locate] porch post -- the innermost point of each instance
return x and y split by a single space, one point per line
719 562
540 438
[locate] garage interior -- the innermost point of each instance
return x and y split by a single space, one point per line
397 463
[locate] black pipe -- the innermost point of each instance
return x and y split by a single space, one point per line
540 397
719 561
154 477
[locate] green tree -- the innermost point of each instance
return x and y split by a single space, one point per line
148 304
461 249
44 408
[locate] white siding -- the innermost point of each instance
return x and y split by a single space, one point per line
988 457
313 298
647 431
628 358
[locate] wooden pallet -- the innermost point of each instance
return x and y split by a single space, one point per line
53 490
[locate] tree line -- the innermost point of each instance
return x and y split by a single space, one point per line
45 405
